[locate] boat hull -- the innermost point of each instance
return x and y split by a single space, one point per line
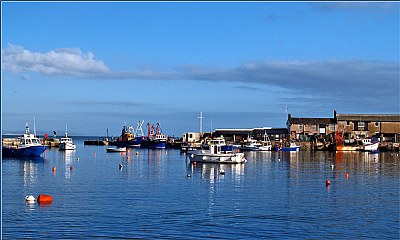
136 142
347 148
31 151
290 149
67 146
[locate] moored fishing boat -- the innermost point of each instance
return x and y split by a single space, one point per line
29 145
291 148
370 144
266 144
155 137
66 142
251 145
215 155
130 138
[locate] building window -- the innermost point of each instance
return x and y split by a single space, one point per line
314 127
376 124
301 126
361 124
332 127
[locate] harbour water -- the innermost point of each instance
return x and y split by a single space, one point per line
159 194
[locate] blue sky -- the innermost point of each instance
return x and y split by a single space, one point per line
96 65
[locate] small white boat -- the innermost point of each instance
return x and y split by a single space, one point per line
292 148
66 142
371 147
266 144
215 155
120 149
370 144
251 145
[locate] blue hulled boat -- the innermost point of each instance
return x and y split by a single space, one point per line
29 145
130 138
156 138
292 148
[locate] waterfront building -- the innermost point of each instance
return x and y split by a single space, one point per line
191 137
352 126
360 126
304 128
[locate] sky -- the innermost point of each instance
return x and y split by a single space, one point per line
99 65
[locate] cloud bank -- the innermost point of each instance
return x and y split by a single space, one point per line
352 82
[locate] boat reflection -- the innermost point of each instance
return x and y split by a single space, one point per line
28 167
215 171
67 156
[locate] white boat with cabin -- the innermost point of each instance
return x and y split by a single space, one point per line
266 144
66 142
215 155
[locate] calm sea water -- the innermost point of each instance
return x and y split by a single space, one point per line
273 195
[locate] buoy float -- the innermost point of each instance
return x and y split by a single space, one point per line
44 198
77 159
347 175
127 157
194 163
188 175
137 153
222 172
70 168
328 183
120 166
30 199
54 169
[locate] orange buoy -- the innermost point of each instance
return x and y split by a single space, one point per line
54 169
328 182
137 153
347 175
44 198
70 168
94 154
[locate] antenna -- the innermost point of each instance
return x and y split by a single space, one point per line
211 126
34 127
286 109
201 122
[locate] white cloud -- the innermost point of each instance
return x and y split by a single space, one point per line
63 61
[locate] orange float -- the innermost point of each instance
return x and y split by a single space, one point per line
328 182
54 169
46 199
347 175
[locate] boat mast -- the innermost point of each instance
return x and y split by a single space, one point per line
34 127
201 122
66 130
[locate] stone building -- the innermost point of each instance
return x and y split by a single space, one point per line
303 128
360 126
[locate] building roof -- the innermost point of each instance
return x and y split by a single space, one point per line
310 121
271 131
369 117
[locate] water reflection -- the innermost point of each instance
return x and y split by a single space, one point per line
212 172
67 157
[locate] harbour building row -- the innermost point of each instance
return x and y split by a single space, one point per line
385 127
